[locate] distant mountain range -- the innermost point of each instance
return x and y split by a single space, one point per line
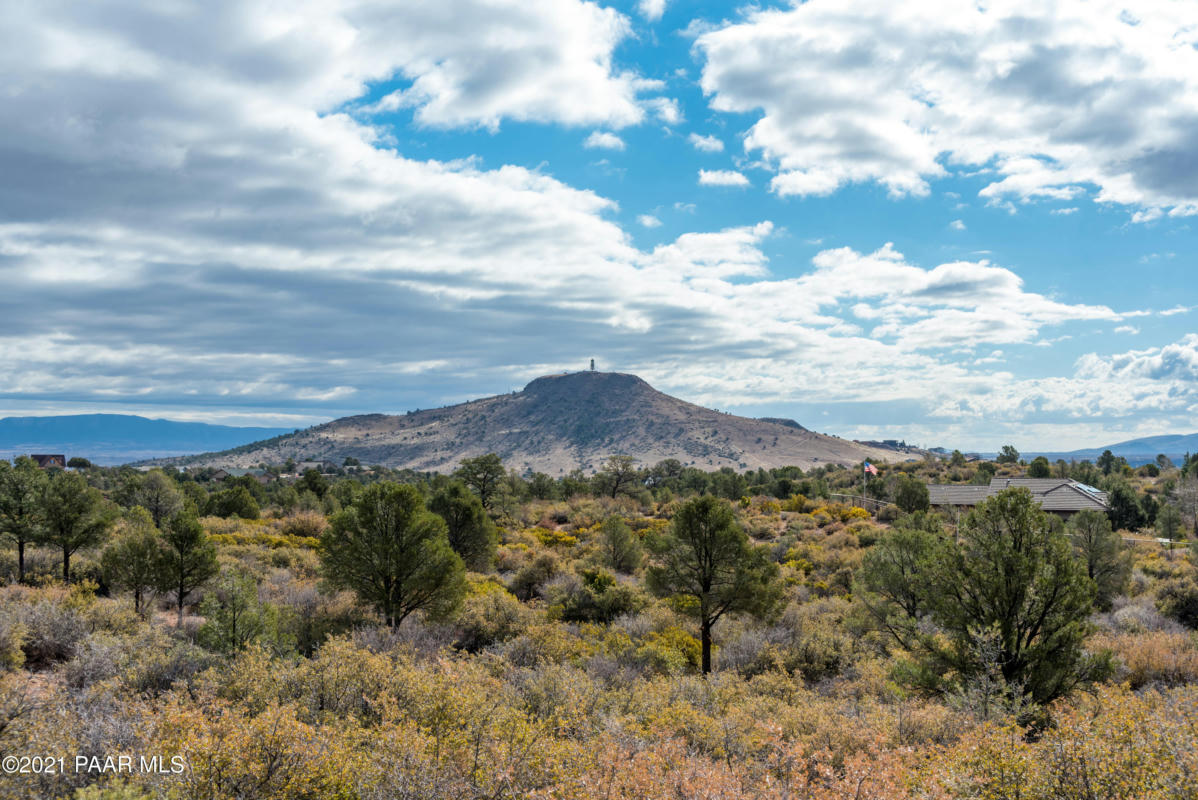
556 424
1136 451
120 438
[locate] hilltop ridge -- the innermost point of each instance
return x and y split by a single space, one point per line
555 424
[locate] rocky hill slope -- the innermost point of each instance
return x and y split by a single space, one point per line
556 424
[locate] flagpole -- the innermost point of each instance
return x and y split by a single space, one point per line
864 485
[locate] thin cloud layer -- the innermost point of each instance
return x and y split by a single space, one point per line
1054 101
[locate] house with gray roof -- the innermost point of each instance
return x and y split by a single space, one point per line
1060 496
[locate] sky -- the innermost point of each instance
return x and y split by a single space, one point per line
957 224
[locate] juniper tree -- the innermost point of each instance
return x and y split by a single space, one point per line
394 554
620 548
160 495
74 516
618 475
1011 588
483 475
188 559
1101 552
707 561
132 562
21 486
471 533
911 494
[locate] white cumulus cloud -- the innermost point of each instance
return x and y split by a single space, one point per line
706 144
604 140
1059 100
722 177
652 9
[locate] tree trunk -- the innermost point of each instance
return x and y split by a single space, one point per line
66 565
705 641
20 560
180 622
137 601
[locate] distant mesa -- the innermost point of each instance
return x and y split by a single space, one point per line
556 424
120 438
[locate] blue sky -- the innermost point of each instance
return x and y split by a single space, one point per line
953 224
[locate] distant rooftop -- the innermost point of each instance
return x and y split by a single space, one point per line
1059 495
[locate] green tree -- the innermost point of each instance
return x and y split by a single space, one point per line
1010 599
893 573
234 617
1008 455
75 515
1169 522
483 475
1106 462
707 564
542 487
188 559
911 494
394 554
594 595
620 547
159 495
1185 495
472 534
132 561
21 486
1123 508
344 491
195 496
314 482
235 502
1101 551
79 463
1039 468
574 483
618 475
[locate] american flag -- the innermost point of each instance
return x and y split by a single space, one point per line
870 468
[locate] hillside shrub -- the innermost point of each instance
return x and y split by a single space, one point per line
304 525
672 651
12 642
1159 658
529 579
52 631
1177 599
489 615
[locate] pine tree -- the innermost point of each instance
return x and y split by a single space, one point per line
21 487
188 559
707 562
394 554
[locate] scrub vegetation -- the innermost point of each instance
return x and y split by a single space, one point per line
644 632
